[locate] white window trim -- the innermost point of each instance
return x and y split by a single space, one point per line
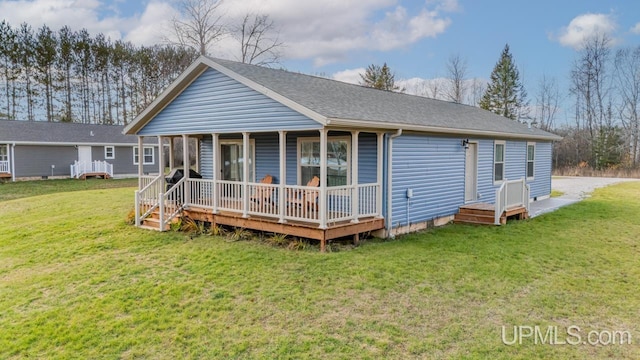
252 148
329 139
113 152
504 161
526 169
153 155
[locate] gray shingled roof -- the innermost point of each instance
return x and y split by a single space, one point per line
335 99
52 132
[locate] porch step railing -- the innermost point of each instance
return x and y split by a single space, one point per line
4 167
148 198
80 168
511 194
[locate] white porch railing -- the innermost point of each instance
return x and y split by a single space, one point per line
511 194
79 168
301 203
4 167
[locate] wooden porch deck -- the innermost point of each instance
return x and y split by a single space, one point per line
484 214
295 228
4 175
103 175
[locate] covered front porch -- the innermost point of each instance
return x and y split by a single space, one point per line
319 184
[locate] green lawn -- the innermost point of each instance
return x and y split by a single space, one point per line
21 189
76 282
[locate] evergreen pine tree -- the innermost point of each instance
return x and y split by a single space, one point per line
380 78
505 94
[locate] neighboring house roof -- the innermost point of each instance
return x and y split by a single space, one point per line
38 132
332 102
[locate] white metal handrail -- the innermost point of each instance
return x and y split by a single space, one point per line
510 194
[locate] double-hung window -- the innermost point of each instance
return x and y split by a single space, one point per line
498 160
531 159
109 152
147 155
338 150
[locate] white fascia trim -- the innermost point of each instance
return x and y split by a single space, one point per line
435 129
267 92
165 98
227 132
51 143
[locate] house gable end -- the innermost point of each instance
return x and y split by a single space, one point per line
215 102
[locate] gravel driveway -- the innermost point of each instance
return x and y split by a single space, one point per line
574 189
579 188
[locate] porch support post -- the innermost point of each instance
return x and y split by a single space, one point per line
355 192
197 154
171 155
323 179
185 168
140 162
214 150
379 177
160 155
245 174
283 174
13 162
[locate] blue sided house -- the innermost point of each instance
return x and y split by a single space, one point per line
307 156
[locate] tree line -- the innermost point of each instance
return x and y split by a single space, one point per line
72 76
604 94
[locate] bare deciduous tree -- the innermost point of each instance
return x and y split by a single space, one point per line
547 102
478 87
627 75
259 40
590 87
200 24
457 73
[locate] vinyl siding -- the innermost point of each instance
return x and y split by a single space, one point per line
515 167
541 185
434 168
268 158
216 103
34 160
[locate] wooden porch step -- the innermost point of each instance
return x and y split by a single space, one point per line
153 224
97 174
484 214
487 219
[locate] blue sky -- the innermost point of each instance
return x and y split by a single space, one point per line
340 37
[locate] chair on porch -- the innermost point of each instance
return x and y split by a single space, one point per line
307 199
262 195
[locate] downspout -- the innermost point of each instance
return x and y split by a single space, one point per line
13 162
389 217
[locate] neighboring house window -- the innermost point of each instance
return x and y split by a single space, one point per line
338 150
531 158
147 156
498 161
109 152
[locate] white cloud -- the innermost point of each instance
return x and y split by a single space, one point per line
585 26
152 25
636 29
324 31
327 31
351 76
58 13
